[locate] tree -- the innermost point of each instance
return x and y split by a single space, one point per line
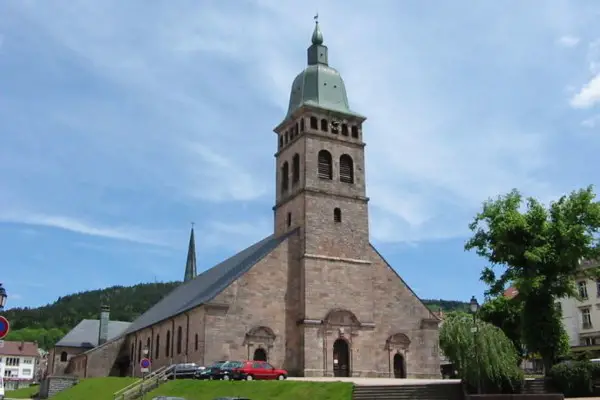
505 314
487 357
539 250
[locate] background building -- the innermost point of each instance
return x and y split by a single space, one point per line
18 363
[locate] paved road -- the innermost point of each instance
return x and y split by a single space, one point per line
378 381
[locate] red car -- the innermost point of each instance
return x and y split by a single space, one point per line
250 370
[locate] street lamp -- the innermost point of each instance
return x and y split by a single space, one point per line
3 297
474 307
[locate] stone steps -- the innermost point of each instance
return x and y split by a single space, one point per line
436 391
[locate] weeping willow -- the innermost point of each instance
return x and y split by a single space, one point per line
486 356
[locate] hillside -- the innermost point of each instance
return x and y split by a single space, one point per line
47 324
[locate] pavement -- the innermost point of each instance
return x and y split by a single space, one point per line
377 381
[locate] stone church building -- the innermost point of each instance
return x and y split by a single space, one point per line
315 297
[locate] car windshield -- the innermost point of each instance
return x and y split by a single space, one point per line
218 363
232 364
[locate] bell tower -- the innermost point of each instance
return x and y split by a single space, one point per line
321 164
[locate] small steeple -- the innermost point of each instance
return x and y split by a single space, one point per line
317 52
190 265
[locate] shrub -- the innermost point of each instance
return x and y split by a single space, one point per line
575 378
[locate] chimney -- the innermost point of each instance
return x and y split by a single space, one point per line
103 329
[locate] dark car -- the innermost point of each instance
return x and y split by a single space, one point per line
226 371
184 371
213 371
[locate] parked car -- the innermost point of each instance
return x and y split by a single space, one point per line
225 371
249 370
210 372
184 371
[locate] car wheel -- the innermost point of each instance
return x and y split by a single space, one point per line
249 378
226 377
281 377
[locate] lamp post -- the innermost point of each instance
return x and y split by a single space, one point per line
474 306
3 297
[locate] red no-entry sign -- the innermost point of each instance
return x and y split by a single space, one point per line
4 327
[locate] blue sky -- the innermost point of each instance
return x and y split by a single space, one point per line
121 122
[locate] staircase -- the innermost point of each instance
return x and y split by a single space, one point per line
428 391
145 385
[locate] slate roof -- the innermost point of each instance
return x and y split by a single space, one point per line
208 284
85 334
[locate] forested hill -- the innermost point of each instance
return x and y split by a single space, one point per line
47 324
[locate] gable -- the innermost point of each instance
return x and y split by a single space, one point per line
427 313
208 284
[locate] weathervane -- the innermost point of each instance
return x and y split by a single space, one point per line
316 17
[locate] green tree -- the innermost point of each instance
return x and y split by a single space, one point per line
505 314
539 250
487 358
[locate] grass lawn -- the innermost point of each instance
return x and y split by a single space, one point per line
23 393
94 389
256 390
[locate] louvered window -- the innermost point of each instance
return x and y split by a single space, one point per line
325 165
337 215
302 125
314 123
295 169
346 169
285 177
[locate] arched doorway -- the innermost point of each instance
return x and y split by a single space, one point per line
260 355
399 366
341 358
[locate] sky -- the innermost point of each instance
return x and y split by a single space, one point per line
123 122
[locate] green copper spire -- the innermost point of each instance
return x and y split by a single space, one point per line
319 85
317 36
190 265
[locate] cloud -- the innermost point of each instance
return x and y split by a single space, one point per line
591 122
588 95
568 41
176 105
78 226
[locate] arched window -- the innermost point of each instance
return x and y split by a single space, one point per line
355 131
346 169
168 344
287 137
196 342
325 168
296 169
285 177
314 123
302 125
296 129
63 355
337 215
280 141
324 125
149 347
179 339
132 354
157 347
289 219
139 351
344 129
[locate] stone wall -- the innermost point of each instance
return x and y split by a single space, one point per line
55 384
58 367
104 360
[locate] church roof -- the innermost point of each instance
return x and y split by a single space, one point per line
85 334
208 284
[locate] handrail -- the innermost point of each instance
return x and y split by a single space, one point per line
139 384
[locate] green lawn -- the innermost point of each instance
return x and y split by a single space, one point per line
255 390
94 389
23 393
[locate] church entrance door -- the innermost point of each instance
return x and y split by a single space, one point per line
399 367
260 355
341 358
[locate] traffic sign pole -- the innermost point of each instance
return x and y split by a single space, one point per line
145 365
4 327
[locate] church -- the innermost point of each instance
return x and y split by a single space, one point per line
315 297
